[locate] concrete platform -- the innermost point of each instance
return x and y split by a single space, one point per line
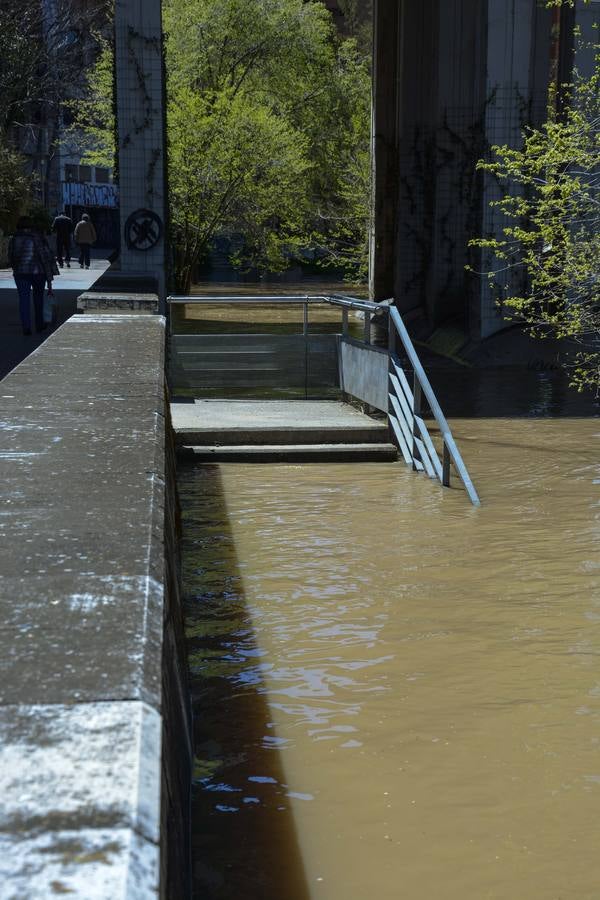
245 421
287 431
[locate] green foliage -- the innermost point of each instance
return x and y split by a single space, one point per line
40 217
268 132
94 117
342 205
15 187
238 168
358 19
551 231
40 54
19 61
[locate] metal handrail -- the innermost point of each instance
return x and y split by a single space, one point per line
450 449
404 411
333 299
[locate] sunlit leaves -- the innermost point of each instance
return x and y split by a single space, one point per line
268 132
15 186
550 206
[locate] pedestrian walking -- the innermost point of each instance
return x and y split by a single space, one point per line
34 266
85 236
62 228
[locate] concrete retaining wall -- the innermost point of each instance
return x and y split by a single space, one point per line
95 746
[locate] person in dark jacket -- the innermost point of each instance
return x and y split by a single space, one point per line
34 266
62 228
85 236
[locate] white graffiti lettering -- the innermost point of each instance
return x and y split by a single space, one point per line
99 195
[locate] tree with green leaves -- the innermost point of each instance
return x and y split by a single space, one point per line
267 126
41 52
544 265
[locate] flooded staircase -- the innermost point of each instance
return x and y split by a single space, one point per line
289 431
278 378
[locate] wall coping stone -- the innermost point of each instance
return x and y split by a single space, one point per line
83 606
111 302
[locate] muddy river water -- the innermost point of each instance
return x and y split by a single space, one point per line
397 695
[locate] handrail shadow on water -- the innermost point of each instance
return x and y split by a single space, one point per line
244 839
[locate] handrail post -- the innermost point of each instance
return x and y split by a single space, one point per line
345 321
446 466
391 338
305 333
391 352
418 400
367 334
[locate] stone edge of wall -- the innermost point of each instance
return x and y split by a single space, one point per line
95 743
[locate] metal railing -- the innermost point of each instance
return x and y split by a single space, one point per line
405 409
406 420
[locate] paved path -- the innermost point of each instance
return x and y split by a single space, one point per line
14 346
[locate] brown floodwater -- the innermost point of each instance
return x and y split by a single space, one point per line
397 695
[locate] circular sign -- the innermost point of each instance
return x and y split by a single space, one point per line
143 230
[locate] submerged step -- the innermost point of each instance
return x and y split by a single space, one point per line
245 435
290 453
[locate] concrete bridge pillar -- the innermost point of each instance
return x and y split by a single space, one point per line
384 150
451 78
141 134
512 99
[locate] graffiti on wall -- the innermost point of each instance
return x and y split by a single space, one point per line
99 195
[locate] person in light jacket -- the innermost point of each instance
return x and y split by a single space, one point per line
85 236
33 265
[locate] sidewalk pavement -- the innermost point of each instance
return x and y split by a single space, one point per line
14 345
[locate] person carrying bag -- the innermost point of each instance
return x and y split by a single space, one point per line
34 266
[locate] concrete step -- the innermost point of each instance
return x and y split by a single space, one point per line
377 433
289 453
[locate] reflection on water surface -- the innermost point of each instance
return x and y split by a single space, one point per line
396 694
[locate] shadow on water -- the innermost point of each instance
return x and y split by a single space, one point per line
509 393
244 840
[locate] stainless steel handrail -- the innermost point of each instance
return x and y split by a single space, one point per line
333 299
404 412
243 298
450 449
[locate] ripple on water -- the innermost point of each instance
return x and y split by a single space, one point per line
425 674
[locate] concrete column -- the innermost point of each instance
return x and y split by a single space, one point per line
386 66
584 17
141 132
510 36
450 78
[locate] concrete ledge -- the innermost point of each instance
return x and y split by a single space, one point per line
88 863
73 775
99 302
95 747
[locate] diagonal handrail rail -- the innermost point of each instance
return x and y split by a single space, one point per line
451 451
404 411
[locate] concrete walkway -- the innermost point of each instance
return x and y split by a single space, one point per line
14 346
